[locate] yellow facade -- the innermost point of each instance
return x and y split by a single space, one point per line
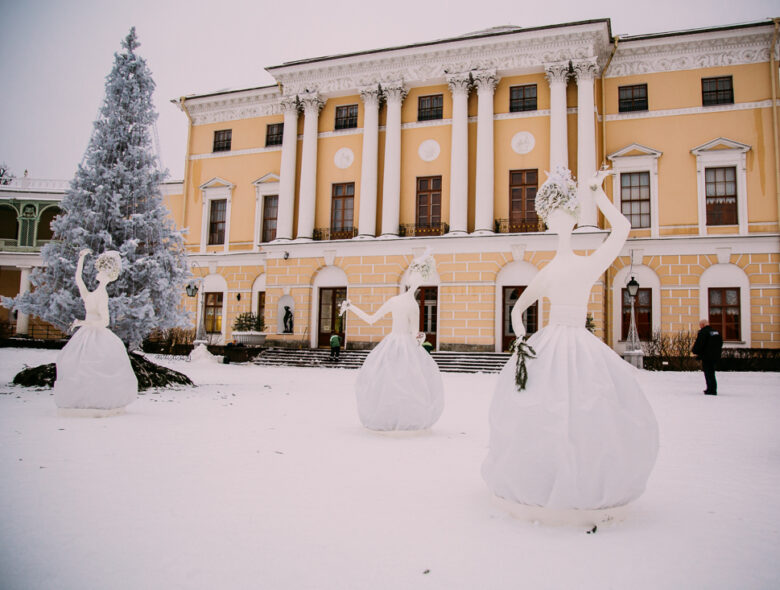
680 255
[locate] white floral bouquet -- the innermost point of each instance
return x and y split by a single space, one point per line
558 192
110 263
424 265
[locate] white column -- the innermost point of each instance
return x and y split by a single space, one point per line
368 170
557 75
485 81
459 161
307 196
586 72
391 185
22 319
284 214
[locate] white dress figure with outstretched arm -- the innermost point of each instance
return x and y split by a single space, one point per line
399 386
93 369
581 435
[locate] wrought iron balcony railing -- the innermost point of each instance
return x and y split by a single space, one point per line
412 229
329 233
505 226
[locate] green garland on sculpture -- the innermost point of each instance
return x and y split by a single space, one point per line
524 351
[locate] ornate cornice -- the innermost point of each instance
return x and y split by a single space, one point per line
686 52
231 106
507 54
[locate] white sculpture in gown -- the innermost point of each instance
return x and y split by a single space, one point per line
399 386
94 375
581 435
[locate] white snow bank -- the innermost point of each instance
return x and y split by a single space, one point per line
263 477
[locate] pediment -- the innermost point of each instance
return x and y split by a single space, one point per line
634 150
720 144
267 179
216 182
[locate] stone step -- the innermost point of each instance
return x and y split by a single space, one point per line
449 362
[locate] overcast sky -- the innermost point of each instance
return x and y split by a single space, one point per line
55 55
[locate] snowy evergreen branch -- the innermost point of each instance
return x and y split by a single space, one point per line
523 350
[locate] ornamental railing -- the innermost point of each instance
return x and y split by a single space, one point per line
409 230
505 226
329 233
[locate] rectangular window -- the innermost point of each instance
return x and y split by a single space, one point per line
720 185
632 98
717 91
274 132
270 209
522 98
724 310
217 221
428 202
346 116
212 312
523 185
430 107
261 304
643 313
635 198
222 140
342 210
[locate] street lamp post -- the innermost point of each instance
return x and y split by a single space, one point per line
192 289
633 353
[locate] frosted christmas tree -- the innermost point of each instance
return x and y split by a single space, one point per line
114 203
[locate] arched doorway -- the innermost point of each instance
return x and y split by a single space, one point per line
328 291
511 281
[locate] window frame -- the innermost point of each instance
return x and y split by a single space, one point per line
529 216
721 325
644 324
217 304
721 153
631 215
348 196
523 103
430 113
274 133
718 96
633 103
646 162
724 274
223 140
715 210
219 232
215 189
346 117
267 185
430 192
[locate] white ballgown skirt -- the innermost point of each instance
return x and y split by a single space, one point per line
94 372
580 436
399 386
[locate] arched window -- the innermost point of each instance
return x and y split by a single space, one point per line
9 224
45 232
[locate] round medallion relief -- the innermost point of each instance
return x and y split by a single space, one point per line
343 158
429 150
523 142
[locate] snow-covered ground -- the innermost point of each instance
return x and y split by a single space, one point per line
263 478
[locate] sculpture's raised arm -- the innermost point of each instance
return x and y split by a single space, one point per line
347 305
83 291
620 226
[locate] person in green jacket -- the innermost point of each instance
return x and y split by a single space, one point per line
335 347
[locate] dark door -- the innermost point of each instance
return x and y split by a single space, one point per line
427 298
530 316
330 322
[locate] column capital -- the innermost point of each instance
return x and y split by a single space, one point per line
371 95
312 102
586 70
459 83
289 104
557 72
394 91
485 80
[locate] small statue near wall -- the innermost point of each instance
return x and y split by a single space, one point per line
288 320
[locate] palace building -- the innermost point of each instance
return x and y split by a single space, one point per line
326 184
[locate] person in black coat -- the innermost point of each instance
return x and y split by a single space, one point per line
707 348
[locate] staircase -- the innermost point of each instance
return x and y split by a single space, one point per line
449 362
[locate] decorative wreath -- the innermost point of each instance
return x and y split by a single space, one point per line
558 192
110 263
